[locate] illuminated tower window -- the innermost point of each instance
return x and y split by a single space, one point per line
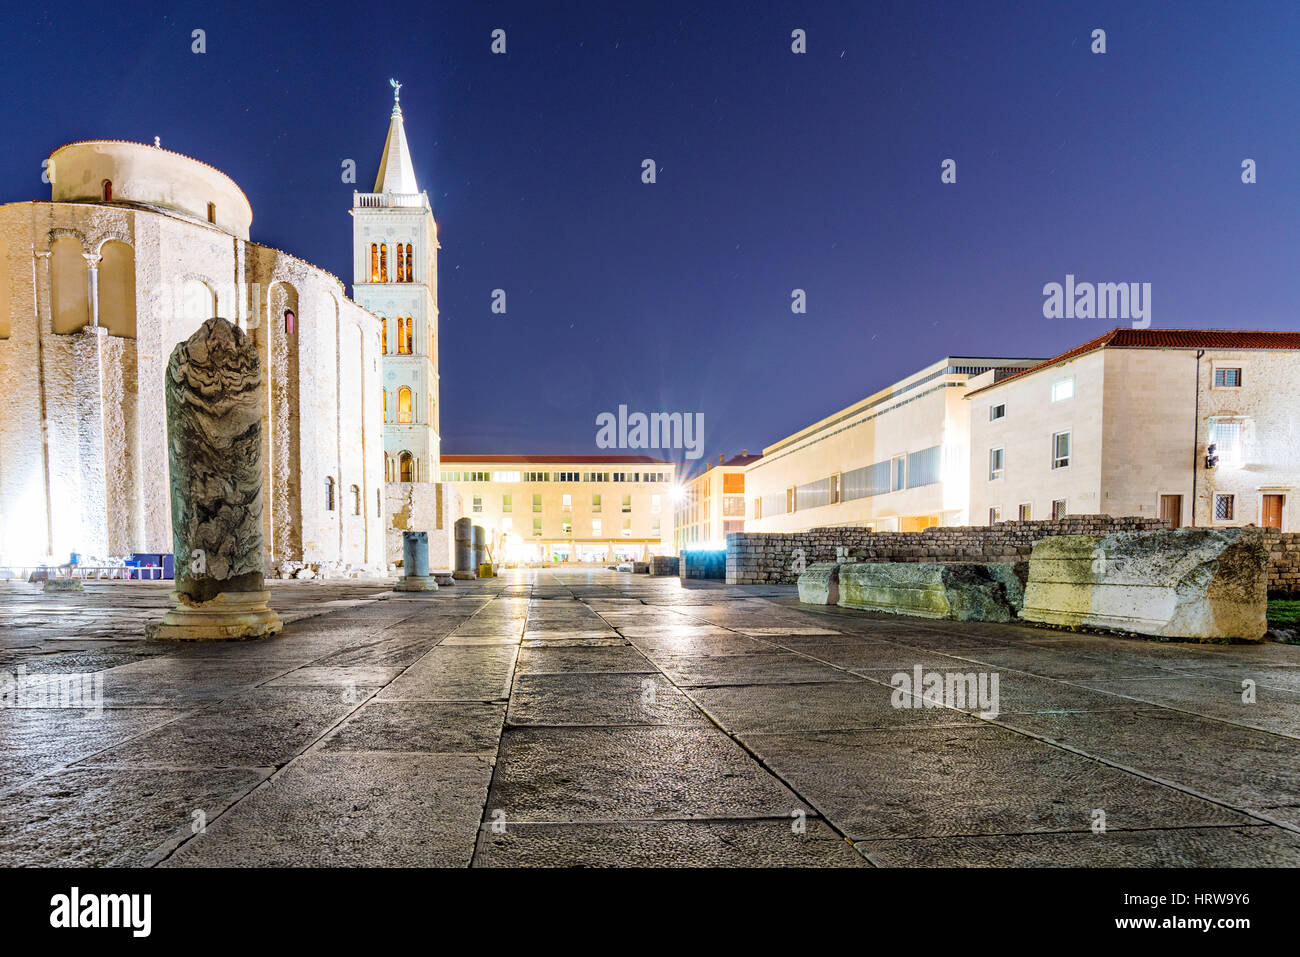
374 262
383 262
403 405
383 334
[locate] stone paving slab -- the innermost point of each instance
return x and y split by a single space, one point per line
462 673
667 844
429 727
352 809
967 781
1182 847
598 699
765 669
586 658
112 816
1272 710
620 774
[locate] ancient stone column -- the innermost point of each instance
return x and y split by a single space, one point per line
214 449
415 564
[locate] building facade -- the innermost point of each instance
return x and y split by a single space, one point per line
566 508
1199 427
137 248
899 460
712 504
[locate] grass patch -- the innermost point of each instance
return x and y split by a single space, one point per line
1284 611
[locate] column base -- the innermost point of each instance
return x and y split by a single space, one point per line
231 616
444 578
416 583
463 576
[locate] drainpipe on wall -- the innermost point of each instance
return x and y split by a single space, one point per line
1196 434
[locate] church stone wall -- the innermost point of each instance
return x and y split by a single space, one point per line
83 444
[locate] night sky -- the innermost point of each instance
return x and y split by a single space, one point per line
776 171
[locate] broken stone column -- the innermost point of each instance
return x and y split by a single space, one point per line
820 584
464 545
415 564
961 591
214 451
1192 583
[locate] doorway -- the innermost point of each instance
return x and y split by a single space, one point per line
1171 510
1272 512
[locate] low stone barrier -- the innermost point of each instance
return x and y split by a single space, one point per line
1192 583
665 565
710 564
640 568
961 591
820 584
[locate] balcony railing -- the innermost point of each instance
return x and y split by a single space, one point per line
389 200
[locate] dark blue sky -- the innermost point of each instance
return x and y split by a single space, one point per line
775 171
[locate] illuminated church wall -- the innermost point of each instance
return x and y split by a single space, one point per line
83 447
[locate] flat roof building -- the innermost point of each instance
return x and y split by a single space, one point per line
567 508
896 461
712 504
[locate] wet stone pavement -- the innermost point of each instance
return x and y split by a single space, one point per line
554 717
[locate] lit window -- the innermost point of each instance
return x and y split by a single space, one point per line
1227 378
567 526
537 528
1061 450
406 467
995 463
478 504
403 404
1026 512
385 404
595 503
997 412
1226 436
1058 509
507 503
1223 507
595 526
1063 390
383 335
374 262
212 212
537 502
995 515
383 263
627 528
409 276
290 322
566 503
627 503
900 473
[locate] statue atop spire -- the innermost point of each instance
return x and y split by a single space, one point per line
397 97
396 171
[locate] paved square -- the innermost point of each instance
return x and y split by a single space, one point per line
557 717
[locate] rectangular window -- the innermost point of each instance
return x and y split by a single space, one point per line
1227 378
1058 509
1224 508
995 515
567 526
627 503
1061 450
507 503
595 504
655 527
655 505
595 526
900 475
478 504
1026 512
997 412
1226 437
758 507
566 503
537 528
537 501
1062 390
503 476
996 457
627 528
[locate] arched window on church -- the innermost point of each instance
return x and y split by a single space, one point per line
329 493
383 334
108 190
212 212
409 276
400 264
385 404
374 262
404 404
383 262
406 467
290 322
405 335
356 500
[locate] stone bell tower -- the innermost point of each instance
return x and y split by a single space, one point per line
395 276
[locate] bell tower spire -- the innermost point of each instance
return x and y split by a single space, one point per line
395 276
